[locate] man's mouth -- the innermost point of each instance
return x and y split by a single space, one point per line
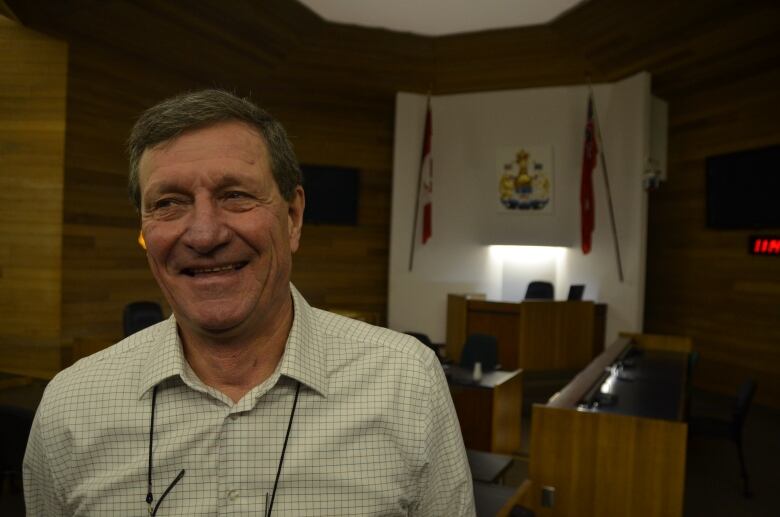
196 271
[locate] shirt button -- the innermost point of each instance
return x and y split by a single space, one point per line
232 495
234 416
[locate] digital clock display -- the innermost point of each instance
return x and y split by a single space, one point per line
764 245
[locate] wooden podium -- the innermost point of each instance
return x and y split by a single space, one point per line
532 335
488 410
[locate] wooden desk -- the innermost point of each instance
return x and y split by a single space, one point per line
488 467
534 336
498 500
623 457
489 411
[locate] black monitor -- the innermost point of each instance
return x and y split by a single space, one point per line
332 194
742 189
575 292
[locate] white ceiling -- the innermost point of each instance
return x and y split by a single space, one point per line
440 17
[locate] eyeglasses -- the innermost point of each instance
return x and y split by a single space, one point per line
269 503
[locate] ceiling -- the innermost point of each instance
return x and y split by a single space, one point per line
440 17
688 47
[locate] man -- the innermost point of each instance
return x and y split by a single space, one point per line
247 401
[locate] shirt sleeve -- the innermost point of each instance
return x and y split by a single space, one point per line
39 489
445 486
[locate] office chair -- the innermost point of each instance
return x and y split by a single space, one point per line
15 424
139 315
729 429
538 290
425 340
693 358
480 348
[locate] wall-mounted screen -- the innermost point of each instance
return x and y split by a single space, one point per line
332 194
743 189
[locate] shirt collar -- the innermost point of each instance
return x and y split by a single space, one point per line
304 357
165 357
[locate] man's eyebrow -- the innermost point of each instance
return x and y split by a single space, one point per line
229 180
163 186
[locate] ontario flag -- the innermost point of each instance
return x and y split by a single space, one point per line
589 159
426 179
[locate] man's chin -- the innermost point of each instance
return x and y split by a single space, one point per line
215 327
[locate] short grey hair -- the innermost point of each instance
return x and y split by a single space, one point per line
185 112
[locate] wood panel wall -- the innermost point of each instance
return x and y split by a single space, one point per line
333 87
702 282
33 72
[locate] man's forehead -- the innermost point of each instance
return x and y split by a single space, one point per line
227 140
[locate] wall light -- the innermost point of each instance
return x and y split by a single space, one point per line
527 254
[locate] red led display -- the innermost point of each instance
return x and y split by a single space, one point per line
764 245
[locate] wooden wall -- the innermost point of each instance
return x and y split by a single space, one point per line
33 72
333 87
702 282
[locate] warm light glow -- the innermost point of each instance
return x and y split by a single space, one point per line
527 254
609 382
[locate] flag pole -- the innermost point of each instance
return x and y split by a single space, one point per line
419 184
606 183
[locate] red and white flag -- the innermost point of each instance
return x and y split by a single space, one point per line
589 159
426 178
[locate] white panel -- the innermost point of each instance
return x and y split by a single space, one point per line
624 116
474 128
451 261
467 131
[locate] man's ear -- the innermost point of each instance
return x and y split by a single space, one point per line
295 209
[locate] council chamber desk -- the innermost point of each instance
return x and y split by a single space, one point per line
534 335
612 442
488 410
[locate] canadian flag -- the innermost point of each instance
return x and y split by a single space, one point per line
426 178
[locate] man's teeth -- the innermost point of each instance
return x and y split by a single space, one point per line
213 269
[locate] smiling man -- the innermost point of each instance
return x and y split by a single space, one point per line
247 401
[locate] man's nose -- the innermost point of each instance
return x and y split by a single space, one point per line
206 231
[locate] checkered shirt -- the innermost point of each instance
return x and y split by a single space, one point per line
374 432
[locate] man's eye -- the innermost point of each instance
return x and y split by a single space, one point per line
166 202
234 194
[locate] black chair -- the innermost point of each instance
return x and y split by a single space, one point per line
139 315
425 340
15 424
729 429
538 290
693 359
480 348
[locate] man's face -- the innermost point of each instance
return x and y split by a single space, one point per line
219 235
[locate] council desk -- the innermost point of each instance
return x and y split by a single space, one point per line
489 410
612 442
533 335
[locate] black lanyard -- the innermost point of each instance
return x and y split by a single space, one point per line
150 497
